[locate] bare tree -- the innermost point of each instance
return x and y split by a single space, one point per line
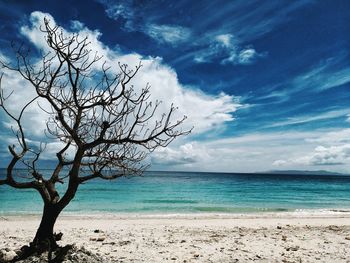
107 126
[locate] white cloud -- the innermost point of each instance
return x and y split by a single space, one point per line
330 155
33 33
243 57
77 25
311 117
225 39
338 137
213 46
324 76
293 150
253 152
204 111
36 36
34 118
247 153
165 86
52 147
121 10
226 49
257 21
327 74
186 155
333 151
162 33
247 56
167 33
4 58
321 155
279 163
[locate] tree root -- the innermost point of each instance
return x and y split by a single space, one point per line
36 248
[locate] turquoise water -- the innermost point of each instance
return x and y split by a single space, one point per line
175 192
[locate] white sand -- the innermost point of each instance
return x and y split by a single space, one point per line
203 238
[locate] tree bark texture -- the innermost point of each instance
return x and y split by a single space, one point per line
45 238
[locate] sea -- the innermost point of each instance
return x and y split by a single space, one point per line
168 193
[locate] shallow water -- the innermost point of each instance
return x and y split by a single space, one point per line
176 192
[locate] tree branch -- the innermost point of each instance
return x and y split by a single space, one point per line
109 124
3 181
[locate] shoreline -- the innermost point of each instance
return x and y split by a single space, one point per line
300 213
243 220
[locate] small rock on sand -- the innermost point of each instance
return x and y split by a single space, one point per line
295 248
97 239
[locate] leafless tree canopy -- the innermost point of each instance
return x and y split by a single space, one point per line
96 114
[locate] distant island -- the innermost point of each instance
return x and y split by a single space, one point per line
302 172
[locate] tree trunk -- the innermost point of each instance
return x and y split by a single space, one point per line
45 239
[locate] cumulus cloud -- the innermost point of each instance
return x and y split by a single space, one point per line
187 155
246 153
279 163
334 151
333 155
214 111
163 79
264 152
20 93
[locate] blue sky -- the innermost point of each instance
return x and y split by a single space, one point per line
266 84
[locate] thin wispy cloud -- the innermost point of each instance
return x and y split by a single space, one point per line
137 20
328 74
227 45
121 10
226 50
168 33
248 20
303 119
325 75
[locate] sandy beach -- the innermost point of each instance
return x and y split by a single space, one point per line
195 238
